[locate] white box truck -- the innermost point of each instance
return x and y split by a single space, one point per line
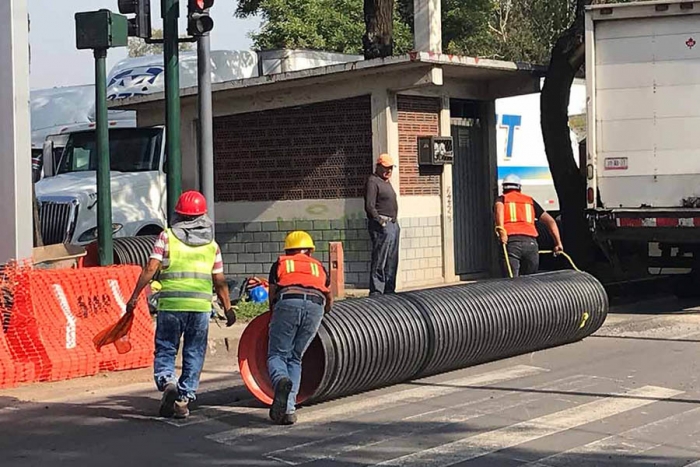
643 136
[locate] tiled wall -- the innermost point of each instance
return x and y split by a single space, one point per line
251 248
421 250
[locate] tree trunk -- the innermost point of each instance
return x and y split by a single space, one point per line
567 57
378 40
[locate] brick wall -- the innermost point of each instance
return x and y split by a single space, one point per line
251 248
317 151
418 116
421 250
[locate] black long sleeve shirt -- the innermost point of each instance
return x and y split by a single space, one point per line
380 198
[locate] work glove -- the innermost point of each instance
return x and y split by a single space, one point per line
230 317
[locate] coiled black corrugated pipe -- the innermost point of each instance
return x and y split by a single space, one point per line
133 250
373 342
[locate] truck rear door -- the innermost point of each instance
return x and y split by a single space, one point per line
644 77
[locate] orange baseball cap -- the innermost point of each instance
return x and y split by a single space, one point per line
385 160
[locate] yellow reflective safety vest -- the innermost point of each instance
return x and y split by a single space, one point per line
186 282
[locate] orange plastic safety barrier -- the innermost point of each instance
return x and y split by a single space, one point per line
57 314
8 373
11 372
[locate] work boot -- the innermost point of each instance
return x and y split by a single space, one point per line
279 403
181 409
288 419
167 402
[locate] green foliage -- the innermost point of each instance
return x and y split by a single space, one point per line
518 30
247 311
330 25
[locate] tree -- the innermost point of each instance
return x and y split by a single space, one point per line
329 25
378 40
138 47
567 58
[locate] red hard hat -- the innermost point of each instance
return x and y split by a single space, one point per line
191 203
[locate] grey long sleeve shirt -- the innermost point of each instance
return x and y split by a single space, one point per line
380 199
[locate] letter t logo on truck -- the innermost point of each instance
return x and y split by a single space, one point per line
510 123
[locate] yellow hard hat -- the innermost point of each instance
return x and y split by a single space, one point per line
299 240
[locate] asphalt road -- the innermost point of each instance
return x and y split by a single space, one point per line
627 396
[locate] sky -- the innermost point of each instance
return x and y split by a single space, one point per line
56 61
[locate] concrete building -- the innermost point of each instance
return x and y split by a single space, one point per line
293 151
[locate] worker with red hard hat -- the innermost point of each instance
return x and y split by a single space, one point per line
191 265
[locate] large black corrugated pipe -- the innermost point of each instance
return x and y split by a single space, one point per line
491 320
373 342
133 250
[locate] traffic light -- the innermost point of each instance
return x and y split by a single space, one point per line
198 20
140 25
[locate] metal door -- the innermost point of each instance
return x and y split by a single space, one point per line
472 212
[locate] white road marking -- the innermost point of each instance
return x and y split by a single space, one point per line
629 443
211 412
437 420
369 404
519 433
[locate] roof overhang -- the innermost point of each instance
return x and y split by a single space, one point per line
516 78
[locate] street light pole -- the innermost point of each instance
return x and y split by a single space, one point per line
104 189
170 13
206 139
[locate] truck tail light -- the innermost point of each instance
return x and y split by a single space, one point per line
590 196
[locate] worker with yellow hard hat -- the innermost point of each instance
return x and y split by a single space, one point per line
299 295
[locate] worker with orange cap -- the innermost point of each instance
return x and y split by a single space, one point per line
382 210
191 265
299 295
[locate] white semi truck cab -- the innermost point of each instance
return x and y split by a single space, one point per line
68 198
643 149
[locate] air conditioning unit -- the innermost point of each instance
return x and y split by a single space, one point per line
435 150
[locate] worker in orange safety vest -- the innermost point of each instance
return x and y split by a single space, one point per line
299 296
516 214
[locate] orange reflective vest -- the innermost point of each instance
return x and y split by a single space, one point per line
302 271
519 214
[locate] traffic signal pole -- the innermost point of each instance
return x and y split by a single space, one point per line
206 139
170 11
105 246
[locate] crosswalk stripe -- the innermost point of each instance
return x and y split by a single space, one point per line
435 420
369 404
519 433
210 412
628 443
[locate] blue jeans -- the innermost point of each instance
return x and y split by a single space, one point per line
172 325
293 326
385 257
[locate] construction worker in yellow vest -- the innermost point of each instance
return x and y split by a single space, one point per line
191 266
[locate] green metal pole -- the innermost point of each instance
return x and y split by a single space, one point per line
170 12
104 192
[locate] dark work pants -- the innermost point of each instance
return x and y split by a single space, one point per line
385 257
523 253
